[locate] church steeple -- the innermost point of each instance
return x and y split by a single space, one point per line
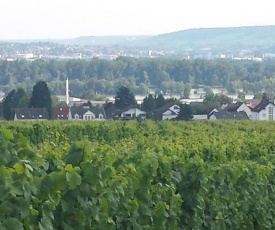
67 91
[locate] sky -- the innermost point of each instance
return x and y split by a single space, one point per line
49 19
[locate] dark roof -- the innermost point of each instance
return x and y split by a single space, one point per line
261 106
118 112
205 111
167 106
233 107
226 115
81 111
111 111
31 113
196 103
60 113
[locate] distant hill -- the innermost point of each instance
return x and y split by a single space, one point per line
229 38
109 40
250 37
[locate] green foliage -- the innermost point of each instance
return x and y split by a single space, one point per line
41 97
7 106
124 98
187 90
149 104
217 100
160 101
241 96
137 175
94 78
208 90
15 99
185 113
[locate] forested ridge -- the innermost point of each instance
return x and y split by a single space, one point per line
95 76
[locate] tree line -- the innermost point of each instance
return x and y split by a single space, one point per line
19 98
95 77
151 103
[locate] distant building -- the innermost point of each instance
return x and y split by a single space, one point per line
31 114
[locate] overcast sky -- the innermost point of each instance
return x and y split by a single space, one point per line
42 19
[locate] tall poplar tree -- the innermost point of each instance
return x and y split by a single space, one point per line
41 97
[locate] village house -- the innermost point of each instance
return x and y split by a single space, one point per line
225 115
60 113
204 114
31 114
167 112
129 112
86 114
239 107
264 111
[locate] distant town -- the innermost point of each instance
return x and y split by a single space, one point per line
254 43
44 50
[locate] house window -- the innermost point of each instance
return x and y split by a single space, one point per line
76 116
270 113
89 117
100 116
264 115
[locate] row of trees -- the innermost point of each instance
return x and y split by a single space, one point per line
124 98
94 77
19 98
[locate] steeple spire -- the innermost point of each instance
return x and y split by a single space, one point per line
67 91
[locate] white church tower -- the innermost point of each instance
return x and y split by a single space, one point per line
67 91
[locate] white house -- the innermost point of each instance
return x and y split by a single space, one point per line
129 113
82 113
133 112
239 107
168 111
264 111
205 114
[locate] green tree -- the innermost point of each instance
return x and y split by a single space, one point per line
20 98
15 99
88 103
258 96
208 90
124 97
217 100
160 101
41 97
56 102
187 90
241 95
7 105
265 96
149 105
185 113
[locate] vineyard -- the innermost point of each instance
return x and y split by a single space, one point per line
137 175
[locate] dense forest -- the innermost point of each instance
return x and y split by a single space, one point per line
103 77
